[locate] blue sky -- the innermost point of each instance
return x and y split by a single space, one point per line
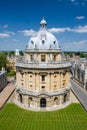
66 19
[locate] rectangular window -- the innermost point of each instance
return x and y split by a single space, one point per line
43 58
30 86
43 77
31 57
54 57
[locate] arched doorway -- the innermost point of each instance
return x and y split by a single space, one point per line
20 96
43 102
65 97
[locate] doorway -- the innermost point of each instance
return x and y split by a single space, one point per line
43 102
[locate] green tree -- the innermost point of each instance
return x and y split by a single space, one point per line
3 61
11 53
21 53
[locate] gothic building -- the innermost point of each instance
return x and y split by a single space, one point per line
43 77
79 71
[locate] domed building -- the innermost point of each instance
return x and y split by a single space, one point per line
42 77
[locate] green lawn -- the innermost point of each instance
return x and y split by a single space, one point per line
73 117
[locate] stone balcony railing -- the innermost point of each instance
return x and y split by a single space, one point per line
43 64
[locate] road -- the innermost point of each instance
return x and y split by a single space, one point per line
80 93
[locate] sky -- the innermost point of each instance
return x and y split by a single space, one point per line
66 19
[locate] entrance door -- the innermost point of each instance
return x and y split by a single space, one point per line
43 102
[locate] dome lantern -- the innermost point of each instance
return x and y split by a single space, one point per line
43 23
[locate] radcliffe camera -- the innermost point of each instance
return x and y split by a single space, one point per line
43 65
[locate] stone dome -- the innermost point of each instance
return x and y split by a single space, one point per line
43 40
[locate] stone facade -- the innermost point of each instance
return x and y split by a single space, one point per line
3 80
79 71
42 77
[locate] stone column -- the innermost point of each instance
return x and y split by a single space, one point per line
61 80
26 80
34 81
25 100
16 95
23 80
52 80
49 78
61 99
37 82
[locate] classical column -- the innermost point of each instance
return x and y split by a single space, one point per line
37 82
34 81
25 100
52 80
26 81
61 99
61 79
49 81
24 78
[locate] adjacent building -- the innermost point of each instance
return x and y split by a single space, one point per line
79 71
3 80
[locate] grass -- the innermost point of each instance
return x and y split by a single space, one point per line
74 117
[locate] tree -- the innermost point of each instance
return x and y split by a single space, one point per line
21 53
11 53
3 61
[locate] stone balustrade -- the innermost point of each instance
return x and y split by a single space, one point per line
43 64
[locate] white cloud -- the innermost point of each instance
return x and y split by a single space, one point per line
58 30
3 35
6 34
76 46
80 43
28 32
10 33
80 29
80 17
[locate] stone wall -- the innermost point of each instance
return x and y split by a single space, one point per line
3 80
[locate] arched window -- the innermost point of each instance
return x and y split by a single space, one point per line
42 102
56 99
30 98
43 41
32 42
54 42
